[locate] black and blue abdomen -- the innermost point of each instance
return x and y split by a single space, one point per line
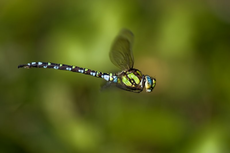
107 76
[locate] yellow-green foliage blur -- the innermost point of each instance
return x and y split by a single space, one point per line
185 45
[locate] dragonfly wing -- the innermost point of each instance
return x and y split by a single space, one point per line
127 88
111 85
121 53
106 85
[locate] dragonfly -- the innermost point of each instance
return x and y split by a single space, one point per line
121 55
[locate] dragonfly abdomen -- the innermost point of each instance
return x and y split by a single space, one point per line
106 76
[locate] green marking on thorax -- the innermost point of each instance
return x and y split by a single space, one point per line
118 80
126 81
139 73
60 64
49 63
73 67
134 77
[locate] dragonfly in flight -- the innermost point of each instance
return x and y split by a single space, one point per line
121 55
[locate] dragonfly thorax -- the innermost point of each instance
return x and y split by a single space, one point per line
131 80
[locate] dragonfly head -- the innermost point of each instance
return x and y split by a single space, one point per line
150 83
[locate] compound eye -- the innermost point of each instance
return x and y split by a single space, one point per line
149 83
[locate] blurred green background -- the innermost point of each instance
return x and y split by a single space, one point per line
185 45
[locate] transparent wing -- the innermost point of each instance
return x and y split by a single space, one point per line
111 85
131 89
121 53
